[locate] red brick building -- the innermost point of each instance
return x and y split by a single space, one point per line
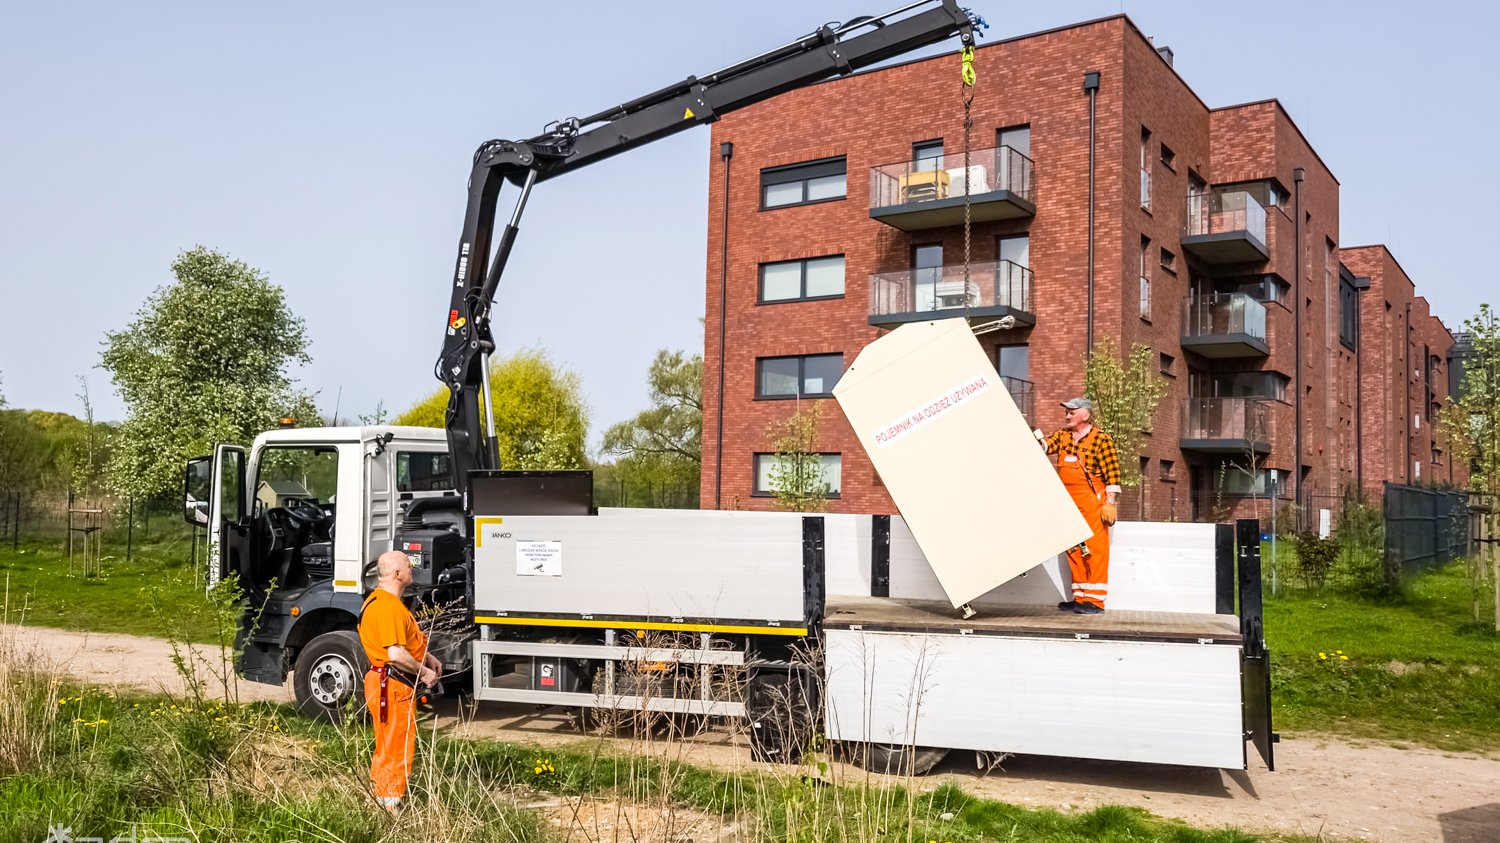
1215 242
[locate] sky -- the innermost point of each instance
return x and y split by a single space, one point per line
328 144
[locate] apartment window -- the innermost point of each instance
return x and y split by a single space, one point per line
1015 137
810 376
1145 168
1145 280
927 156
1168 157
1168 471
830 473
1168 261
801 184
1168 365
813 278
1348 315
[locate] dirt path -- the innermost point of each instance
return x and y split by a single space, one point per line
1321 785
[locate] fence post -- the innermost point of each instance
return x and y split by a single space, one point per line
129 527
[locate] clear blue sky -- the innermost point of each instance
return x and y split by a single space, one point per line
328 144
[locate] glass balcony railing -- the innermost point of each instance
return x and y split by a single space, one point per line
1024 394
1231 420
1221 314
1220 213
944 177
990 284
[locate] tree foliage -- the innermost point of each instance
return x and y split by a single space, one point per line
205 360
541 421
660 451
796 478
1125 393
1472 425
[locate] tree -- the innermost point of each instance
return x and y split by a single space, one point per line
541 421
661 449
1472 423
796 478
206 360
1125 395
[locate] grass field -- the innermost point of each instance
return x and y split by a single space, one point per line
157 592
108 765
1416 669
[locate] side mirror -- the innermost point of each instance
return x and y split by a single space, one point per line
197 484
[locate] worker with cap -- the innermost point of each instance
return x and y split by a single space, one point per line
1089 467
399 663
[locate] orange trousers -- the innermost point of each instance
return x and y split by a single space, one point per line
1091 570
395 739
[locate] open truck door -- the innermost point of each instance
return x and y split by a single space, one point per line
214 497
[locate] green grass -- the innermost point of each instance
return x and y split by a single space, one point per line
157 586
258 772
1416 668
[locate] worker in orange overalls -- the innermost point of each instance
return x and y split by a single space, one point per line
399 662
1089 467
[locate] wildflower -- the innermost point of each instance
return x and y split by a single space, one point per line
63 701
1322 655
1343 658
1338 652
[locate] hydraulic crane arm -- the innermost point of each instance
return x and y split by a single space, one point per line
833 50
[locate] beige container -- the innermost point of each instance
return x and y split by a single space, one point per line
956 455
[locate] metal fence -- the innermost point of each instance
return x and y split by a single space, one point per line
1424 529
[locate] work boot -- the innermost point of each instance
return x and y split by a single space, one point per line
1087 609
1066 606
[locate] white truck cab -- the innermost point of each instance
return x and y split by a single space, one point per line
300 520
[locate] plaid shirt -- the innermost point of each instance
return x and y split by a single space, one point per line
1097 450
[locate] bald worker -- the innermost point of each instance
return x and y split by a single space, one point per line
399 662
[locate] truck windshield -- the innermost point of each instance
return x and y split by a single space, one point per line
423 472
289 472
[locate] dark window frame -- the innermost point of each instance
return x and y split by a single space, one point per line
760 280
757 492
1348 315
804 172
801 376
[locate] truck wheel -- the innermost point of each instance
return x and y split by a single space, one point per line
780 715
897 760
330 673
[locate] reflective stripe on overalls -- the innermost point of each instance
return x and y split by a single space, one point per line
1090 570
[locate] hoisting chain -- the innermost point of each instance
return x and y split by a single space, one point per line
968 100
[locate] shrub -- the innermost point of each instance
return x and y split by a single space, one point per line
1315 557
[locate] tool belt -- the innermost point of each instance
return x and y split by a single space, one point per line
386 673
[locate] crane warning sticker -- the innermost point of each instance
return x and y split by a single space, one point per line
538 559
929 411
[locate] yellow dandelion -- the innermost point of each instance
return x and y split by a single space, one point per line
63 701
1322 655
1339 652
1343 658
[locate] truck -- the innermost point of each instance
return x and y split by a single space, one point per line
797 624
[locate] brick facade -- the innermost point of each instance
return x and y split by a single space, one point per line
1146 118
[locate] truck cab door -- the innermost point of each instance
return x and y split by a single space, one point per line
214 497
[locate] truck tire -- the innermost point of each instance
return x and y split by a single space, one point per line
897 760
779 710
330 673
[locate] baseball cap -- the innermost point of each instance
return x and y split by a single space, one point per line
1079 404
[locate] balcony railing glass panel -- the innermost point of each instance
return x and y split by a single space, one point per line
928 179
1218 213
1218 314
991 284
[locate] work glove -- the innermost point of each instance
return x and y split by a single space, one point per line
1109 514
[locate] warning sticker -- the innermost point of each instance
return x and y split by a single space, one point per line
929 411
538 559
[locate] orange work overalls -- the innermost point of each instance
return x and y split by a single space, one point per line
1090 570
390 696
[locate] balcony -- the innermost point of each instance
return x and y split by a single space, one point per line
1226 426
1223 325
1226 228
1024 394
929 193
995 290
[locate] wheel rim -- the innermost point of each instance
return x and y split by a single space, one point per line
331 680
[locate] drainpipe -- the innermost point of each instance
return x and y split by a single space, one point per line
1091 88
726 151
1297 175
1361 284
1406 387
